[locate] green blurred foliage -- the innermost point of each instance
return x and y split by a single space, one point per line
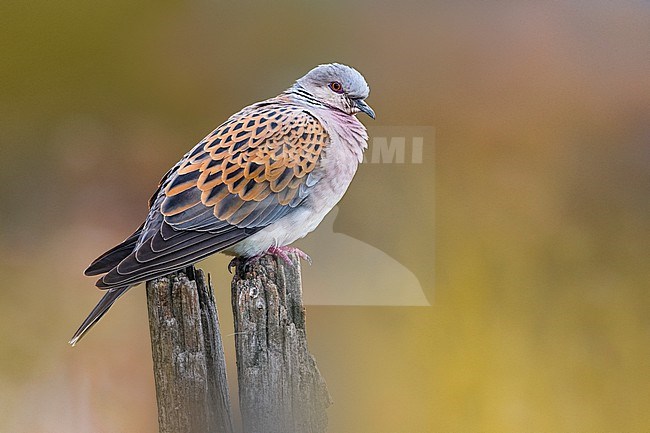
541 176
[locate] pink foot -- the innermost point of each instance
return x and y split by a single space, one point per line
283 253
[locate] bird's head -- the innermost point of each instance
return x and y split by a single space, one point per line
337 86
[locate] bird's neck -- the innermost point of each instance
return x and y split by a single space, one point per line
347 127
298 94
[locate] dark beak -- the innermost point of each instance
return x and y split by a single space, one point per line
364 108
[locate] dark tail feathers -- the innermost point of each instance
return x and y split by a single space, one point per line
100 309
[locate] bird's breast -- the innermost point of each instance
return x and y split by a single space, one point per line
335 172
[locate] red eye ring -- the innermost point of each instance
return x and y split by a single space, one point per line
336 87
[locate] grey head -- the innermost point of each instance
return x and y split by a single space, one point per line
336 86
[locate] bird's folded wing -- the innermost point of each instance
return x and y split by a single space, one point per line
251 171
112 257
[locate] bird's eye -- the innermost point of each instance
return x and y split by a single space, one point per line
336 87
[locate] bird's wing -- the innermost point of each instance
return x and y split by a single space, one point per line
252 170
115 255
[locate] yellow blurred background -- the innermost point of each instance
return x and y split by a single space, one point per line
540 316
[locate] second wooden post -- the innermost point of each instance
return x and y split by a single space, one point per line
280 387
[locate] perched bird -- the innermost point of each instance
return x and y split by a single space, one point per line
264 178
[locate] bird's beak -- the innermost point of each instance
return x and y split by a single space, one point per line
364 108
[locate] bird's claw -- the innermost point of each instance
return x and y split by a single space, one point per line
233 264
245 262
283 253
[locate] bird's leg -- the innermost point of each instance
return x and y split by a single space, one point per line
283 253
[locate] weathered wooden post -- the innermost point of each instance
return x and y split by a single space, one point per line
280 387
188 357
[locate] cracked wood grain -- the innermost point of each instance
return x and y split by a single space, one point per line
280 387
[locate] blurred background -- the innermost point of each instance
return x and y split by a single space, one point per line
533 210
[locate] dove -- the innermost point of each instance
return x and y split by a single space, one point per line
263 179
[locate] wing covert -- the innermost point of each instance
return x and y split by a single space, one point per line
259 159
249 172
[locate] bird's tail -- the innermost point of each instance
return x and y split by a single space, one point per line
100 309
